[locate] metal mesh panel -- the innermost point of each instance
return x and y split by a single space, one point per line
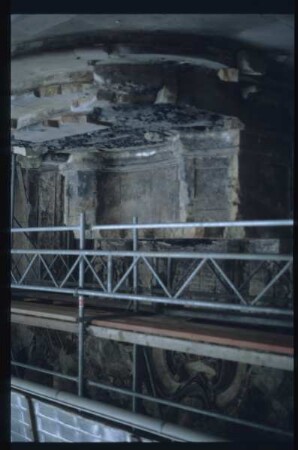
56 425
21 427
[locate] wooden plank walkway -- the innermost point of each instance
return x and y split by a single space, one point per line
159 325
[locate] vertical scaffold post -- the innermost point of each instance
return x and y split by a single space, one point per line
12 187
136 348
169 274
135 269
109 273
81 311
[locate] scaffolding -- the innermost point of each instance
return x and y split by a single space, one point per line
77 262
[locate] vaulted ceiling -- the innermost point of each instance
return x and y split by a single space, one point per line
271 34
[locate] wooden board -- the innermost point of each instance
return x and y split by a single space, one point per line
166 326
221 335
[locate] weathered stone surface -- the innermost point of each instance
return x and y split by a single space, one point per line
189 154
229 75
161 116
142 155
39 136
251 63
17 150
30 109
83 102
166 95
264 175
48 91
49 69
53 122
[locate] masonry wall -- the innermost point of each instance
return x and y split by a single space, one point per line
193 177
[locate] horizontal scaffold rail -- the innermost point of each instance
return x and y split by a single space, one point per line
181 225
75 264
43 229
182 255
170 225
152 299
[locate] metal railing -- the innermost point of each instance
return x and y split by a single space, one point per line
106 285
83 260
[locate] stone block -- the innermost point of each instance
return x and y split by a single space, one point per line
48 91
230 75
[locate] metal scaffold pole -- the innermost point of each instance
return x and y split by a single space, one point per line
12 187
81 311
135 269
136 357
